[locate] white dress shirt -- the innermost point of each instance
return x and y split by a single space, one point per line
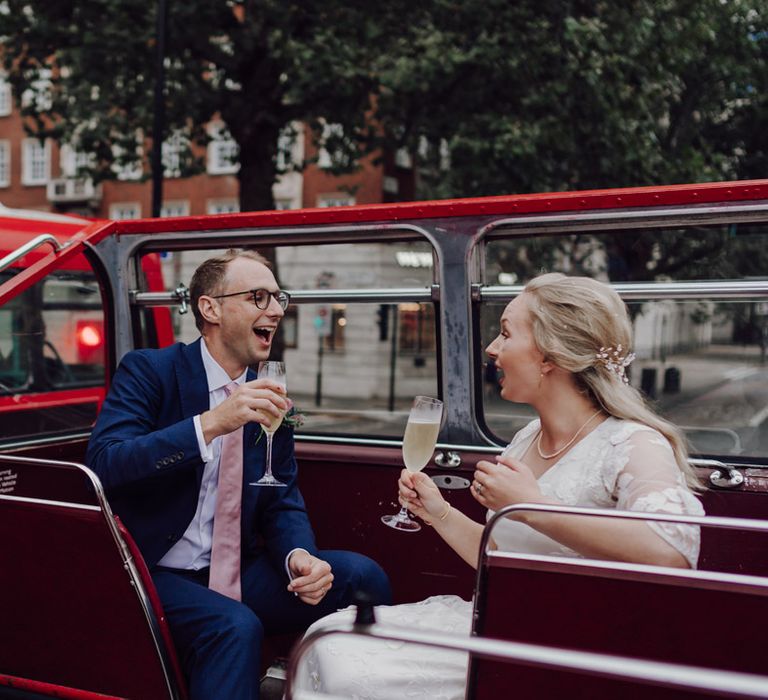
193 550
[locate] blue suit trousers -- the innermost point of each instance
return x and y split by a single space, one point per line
218 640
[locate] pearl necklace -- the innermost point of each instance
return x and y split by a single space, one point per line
567 444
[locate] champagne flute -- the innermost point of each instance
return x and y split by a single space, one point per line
418 445
276 372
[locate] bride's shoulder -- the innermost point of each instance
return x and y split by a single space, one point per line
524 433
620 432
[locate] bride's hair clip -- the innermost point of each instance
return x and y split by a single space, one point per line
615 360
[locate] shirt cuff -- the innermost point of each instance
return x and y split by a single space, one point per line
287 559
206 451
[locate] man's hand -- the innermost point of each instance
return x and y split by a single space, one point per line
259 401
312 577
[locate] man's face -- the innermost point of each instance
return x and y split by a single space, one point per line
244 332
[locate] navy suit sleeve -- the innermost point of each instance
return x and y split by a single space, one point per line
127 445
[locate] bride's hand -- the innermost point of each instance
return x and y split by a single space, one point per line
419 494
504 482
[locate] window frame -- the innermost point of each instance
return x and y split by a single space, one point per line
28 165
5 163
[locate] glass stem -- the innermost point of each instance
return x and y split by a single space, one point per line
268 471
403 514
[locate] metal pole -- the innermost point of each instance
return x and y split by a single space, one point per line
393 358
319 376
158 126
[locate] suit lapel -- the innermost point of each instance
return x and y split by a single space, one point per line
193 386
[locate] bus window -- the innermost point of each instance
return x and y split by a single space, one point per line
700 350
353 365
52 355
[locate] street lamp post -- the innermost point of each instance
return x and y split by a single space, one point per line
158 126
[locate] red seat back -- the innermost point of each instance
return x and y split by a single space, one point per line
705 620
695 618
76 612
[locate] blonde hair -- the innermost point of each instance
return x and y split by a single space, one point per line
574 318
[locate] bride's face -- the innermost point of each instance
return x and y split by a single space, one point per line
514 352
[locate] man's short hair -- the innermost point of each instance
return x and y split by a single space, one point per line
210 274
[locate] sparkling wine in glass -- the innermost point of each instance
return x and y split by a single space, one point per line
276 372
418 445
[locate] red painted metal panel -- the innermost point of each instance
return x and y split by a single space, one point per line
66 258
48 399
75 620
25 685
670 195
636 614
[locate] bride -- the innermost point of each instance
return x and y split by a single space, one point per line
563 348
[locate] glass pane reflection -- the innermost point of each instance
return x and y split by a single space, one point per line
702 364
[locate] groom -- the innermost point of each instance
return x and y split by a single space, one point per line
177 448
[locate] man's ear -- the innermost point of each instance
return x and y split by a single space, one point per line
209 309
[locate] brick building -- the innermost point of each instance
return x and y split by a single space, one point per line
35 175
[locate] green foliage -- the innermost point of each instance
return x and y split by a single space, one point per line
553 95
259 66
491 96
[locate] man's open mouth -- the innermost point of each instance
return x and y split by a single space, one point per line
264 333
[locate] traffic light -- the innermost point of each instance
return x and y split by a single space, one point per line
383 321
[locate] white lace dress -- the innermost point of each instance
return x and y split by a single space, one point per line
620 465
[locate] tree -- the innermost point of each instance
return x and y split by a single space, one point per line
86 70
554 95
558 96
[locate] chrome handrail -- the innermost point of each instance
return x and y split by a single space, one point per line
307 296
726 289
129 565
679 676
716 521
22 250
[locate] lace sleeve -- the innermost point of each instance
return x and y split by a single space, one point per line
649 480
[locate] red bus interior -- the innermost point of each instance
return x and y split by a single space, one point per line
75 587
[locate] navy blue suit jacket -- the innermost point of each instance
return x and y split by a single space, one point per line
144 450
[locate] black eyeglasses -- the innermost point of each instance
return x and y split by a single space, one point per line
262 297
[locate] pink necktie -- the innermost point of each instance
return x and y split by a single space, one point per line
225 549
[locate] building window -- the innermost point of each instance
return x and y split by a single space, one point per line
124 169
72 161
177 207
39 94
222 206
290 327
333 341
6 103
222 152
335 200
173 149
125 210
290 148
36 162
416 329
5 163
330 153
403 158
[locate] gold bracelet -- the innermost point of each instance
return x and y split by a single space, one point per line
442 517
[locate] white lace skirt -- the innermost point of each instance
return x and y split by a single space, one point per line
350 666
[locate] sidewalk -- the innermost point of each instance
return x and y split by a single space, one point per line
700 371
